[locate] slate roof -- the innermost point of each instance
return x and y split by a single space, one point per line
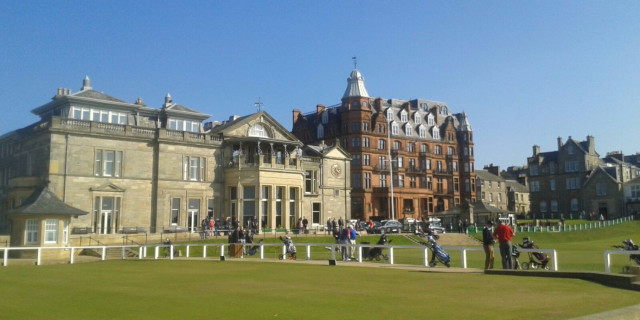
487 176
45 202
517 187
97 95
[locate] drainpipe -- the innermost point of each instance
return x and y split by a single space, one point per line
66 160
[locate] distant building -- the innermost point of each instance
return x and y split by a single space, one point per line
140 169
502 190
575 181
417 150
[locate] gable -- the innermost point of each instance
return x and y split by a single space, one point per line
108 187
272 130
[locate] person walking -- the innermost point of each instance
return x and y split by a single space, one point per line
487 244
504 234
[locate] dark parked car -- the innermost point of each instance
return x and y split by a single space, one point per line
389 226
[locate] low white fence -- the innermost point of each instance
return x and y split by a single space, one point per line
575 227
169 251
564 228
607 257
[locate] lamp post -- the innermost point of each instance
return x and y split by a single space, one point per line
393 216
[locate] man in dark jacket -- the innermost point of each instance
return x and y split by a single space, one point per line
487 243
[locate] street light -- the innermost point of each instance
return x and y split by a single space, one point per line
393 216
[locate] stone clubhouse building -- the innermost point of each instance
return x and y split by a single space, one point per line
112 167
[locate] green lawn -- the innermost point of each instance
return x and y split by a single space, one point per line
278 290
163 289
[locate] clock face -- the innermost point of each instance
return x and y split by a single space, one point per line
336 170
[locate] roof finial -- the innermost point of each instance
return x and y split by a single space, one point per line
167 100
86 83
355 62
259 105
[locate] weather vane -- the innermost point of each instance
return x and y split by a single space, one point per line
259 105
355 62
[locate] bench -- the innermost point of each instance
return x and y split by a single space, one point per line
132 230
81 230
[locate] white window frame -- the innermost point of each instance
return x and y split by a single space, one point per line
31 229
431 120
194 168
51 231
105 166
435 133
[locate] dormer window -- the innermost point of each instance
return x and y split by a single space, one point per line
424 107
184 125
389 114
408 130
443 110
325 117
423 131
435 133
403 116
394 129
97 115
431 120
257 130
416 118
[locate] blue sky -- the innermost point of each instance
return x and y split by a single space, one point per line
526 72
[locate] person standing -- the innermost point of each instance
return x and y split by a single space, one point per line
343 240
504 234
352 241
305 222
487 244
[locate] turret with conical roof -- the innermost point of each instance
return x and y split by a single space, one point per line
355 86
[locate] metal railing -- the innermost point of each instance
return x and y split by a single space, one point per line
607 257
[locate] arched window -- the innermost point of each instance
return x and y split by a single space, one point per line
257 130
320 131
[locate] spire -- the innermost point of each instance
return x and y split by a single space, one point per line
86 83
355 86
